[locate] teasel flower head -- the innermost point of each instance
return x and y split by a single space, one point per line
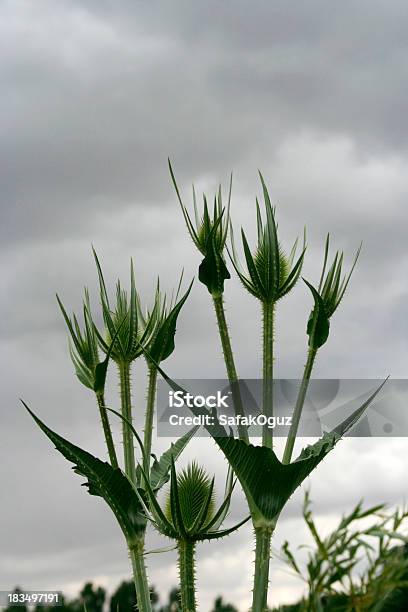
327 297
83 344
208 230
270 274
161 343
189 512
125 335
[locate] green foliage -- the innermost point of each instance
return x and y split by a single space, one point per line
357 567
270 274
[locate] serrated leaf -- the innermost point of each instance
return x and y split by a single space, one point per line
266 481
103 481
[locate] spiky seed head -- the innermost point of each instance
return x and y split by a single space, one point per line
327 296
270 273
209 231
194 488
333 283
122 322
83 343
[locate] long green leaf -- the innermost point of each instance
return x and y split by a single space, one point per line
160 471
103 481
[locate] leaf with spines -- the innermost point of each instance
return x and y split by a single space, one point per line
103 481
267 482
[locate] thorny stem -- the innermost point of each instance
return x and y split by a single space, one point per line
263 537
268 311
187 575
230 364
148 428
107 429
125 397
290 442
136 552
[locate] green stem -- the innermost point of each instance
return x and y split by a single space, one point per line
263 537
187 575
268 311
230 364
125 398
290 442
148 428
107 429
136 551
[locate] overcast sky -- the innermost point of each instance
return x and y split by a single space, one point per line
95 96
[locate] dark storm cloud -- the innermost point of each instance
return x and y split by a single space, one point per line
96 96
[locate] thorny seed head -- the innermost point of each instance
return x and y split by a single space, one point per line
189 512
270 273
161 343
327 297
209 231
83 344
123 321
195 490
333 285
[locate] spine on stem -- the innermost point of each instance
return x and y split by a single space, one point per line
268 311
230 363
263 537
290 442
186 551
125 397
107 429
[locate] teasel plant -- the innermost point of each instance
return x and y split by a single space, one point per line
127 335
327 297
267 481
189 517
209 231
90 370
158 348
269 275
